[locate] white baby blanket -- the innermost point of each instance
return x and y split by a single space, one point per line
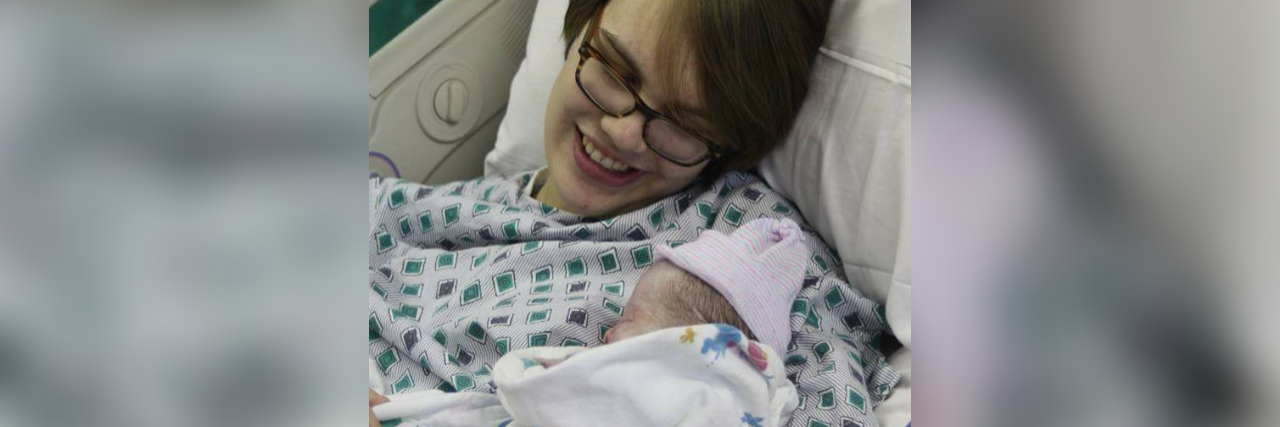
706 375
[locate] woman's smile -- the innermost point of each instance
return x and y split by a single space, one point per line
599 166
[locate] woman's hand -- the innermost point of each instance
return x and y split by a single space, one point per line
375 399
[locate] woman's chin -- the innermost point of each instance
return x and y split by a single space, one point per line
583 196
587 201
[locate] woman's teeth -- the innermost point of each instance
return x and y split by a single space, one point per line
610 164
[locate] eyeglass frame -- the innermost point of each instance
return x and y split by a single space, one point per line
587 51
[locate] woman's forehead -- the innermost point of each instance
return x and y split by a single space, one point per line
639 30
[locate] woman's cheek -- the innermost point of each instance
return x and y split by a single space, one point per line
566 89
563 105
576 104
678 177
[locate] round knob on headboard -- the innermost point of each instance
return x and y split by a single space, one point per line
451 101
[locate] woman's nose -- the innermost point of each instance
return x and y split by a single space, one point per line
626 133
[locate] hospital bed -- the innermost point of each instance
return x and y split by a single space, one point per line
457 89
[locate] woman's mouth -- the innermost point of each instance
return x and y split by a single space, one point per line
598 166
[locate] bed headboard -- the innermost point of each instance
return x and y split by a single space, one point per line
438 89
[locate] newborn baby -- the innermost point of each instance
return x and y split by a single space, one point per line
678 356
746 280
667 296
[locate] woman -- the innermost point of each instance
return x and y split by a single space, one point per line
728 78
658 108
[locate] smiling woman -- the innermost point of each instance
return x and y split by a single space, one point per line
656 94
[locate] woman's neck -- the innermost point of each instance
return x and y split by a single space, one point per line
546 194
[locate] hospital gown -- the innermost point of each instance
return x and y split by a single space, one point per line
463 273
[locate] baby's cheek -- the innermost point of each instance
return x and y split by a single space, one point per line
631 330
618 333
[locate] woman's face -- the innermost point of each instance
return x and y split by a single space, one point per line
577 183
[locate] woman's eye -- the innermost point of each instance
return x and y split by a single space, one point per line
628 78
624 73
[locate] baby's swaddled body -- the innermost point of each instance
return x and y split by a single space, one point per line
683 353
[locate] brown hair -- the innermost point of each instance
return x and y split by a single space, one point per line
753 63
694 302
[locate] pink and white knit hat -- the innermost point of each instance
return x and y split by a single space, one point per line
759 270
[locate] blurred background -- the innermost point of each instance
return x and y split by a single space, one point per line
181 187
1095 184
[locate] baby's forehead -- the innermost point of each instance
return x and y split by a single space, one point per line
666 277
665 268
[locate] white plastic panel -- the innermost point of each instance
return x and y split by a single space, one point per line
438 91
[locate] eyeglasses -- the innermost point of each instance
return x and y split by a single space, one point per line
608 90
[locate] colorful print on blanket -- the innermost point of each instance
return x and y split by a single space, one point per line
463 273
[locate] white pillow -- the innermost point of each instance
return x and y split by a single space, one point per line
519 145
853 136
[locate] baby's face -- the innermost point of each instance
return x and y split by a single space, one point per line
644 312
